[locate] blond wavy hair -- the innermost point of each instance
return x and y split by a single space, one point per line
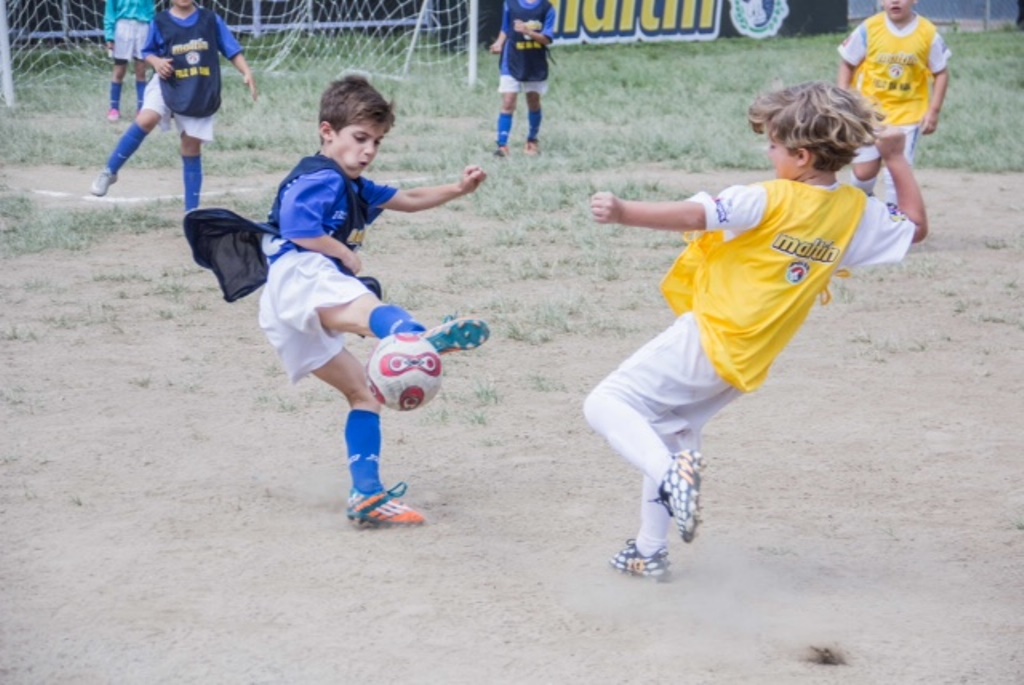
828 121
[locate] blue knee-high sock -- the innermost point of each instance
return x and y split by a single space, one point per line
535 119
504 128
389 319
126 147
193 181
140 93
362 436
115 95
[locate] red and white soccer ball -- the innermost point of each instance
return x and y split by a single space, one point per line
404 371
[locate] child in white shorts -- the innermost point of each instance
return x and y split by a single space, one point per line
126 28
313 297
183 48
758 259
527 30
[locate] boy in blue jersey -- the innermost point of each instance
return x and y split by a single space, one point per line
527 29
313 296
182 48
125 28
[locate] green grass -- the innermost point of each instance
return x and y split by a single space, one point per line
680 106
26 227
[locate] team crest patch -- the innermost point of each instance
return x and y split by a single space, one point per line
721 212
895 71
797 272
193 58
758 18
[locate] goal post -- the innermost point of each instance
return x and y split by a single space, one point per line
396 39
6 75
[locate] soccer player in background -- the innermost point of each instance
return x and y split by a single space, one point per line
527 29
898 60
183 47
125 28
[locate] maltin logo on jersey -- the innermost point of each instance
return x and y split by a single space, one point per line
758 18
797 272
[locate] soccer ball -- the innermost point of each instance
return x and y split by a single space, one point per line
404 371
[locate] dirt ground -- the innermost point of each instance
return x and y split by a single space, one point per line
173 510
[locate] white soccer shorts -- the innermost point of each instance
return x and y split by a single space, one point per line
129 39
197 127
508 84
672 384
298 285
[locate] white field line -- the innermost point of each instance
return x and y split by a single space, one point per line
162 198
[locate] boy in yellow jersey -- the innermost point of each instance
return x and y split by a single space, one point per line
758 257
898 60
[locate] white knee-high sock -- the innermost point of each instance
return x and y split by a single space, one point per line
628 433
654 520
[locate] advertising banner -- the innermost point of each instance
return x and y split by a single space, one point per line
625 21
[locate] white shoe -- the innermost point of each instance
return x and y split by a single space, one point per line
103 183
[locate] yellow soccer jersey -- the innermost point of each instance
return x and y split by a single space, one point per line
751 294
895 72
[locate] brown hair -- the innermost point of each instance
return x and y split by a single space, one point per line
828 121
352 100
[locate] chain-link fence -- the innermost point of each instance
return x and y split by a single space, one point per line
976 14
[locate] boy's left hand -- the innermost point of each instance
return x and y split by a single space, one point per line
605 208
890 142
471 179
250 82
930 123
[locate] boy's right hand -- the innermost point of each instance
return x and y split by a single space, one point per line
472 177
351 261
890 142
162 66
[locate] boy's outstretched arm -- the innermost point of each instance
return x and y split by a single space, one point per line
418 199
665 216
243 68
890 144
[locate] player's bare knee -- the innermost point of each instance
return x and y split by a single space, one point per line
147 120
190 147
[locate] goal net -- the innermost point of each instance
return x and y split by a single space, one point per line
386 38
